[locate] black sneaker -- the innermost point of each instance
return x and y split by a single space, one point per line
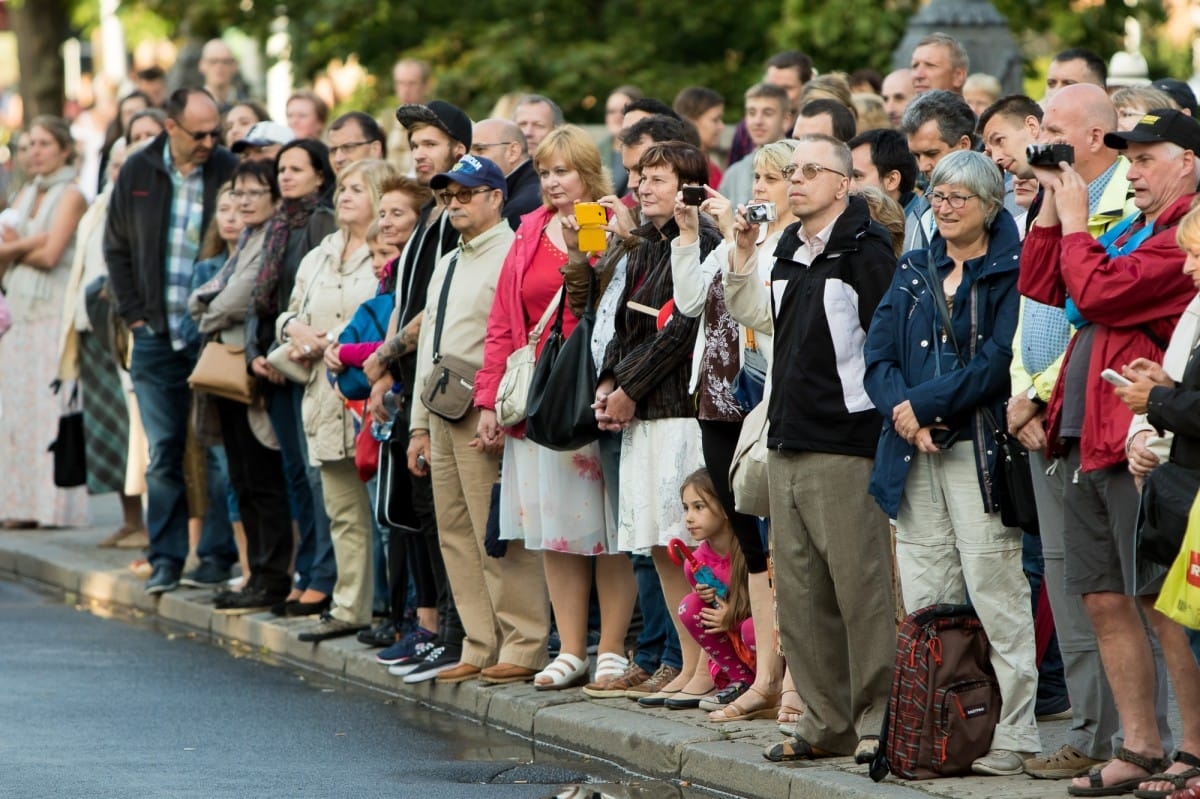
164 578
406 664
381 635
252 600
207 575
440 658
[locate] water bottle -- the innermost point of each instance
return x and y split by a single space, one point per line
393 402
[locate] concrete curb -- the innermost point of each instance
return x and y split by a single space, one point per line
664 744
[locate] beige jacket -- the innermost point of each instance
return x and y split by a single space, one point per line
326 295
472 289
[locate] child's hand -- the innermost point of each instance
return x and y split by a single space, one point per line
715 620
707 593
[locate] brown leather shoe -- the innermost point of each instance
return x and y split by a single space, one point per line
460 673
616 687
503 673
662 676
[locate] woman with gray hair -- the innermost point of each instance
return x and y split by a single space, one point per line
937 358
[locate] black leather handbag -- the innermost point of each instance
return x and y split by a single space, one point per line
563 388
1167 496
70 454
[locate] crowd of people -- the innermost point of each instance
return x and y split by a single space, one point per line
919 285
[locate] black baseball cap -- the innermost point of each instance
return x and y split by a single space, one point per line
448 118
1180 92
1161 124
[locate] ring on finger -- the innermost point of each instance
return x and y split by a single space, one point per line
307 349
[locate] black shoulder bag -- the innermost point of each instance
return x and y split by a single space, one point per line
1014 476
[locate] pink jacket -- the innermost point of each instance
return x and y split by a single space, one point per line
507 329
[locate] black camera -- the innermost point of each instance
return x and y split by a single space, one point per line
694 195
1049 155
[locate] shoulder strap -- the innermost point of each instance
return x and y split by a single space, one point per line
437 328
536 334
943 312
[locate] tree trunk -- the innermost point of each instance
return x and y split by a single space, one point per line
41 27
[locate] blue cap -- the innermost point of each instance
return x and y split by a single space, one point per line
472 171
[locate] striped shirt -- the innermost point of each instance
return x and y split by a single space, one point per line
183 245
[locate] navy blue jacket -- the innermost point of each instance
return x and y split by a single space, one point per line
907 360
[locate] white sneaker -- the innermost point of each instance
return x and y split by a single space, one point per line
1001 763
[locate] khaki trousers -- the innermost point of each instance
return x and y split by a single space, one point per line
833 583
349 509
502 601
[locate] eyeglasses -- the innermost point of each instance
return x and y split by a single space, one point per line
479 147
809 171
346 148
956 201
463 196
253 194
200 135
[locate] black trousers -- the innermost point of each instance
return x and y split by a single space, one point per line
256 473
719 440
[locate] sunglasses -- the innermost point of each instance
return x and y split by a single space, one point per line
463 196
200 135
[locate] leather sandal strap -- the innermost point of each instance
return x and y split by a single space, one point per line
1188 758
1149 763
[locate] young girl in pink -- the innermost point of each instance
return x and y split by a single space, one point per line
722 626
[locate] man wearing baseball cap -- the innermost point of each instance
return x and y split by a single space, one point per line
1129 289
502 602
438 135
263 141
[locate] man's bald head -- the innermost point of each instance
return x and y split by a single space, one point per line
1080 115
502 141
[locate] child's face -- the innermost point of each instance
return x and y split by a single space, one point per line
381 253
702 516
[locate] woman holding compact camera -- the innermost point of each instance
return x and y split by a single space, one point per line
937 358
722 342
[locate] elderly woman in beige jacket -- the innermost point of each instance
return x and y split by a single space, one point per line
332 281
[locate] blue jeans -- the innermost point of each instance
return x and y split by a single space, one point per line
379 543
315 565
658 643
217 543
159 375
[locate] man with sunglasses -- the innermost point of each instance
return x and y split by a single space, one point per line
161 204
833 576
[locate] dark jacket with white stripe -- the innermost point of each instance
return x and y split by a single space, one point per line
822 310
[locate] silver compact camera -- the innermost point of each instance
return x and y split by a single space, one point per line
761 212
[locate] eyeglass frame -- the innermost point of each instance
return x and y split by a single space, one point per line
788 170
199 136
445 196
347 147
956 201
489 145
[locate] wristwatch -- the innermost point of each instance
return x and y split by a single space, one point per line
1032 396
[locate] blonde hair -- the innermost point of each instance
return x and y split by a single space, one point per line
1147 98
578 149
871 114
886 212
1188 234
374 173
832 86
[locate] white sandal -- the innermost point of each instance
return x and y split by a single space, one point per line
566 671
610 666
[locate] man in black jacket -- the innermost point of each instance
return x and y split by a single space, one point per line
161 204
504 143
833 575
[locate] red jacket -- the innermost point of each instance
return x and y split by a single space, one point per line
1123 298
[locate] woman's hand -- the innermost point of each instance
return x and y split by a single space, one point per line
619 410
621 220
687 217
332 362
745 238
488 430
262 368
721 210
570 233
308 343
1142 460
923 440
904 420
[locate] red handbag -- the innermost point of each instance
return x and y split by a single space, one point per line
366 452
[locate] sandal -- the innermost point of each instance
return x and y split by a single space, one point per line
566 671
732 712
794 748
1187 793
126 538
725 696
789 711
610 666
1178 781
1096 786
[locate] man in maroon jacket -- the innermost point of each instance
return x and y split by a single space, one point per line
1124 292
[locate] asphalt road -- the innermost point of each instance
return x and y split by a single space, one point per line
93 707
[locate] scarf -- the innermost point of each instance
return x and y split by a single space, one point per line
293 214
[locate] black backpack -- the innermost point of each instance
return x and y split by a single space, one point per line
945 701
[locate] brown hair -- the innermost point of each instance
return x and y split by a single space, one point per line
405 185
60 130
738 598
689 164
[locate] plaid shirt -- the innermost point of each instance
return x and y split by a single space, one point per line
183 244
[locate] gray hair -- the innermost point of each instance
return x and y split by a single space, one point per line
534 99
975 172
841 152
954 117
958 54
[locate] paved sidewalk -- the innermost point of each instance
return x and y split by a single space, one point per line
677 745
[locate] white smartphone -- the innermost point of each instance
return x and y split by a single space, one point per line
1116 378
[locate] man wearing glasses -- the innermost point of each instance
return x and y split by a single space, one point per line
354 136
833 576
161 204
503 143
